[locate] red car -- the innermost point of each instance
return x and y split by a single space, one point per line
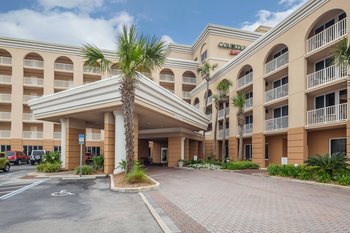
17 157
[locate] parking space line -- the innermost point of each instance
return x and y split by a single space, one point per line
23 189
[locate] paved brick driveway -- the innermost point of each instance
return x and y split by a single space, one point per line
217 201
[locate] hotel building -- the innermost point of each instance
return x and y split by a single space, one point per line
296 97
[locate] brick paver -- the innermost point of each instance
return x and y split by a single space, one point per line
233 202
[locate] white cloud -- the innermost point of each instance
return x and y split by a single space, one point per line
269 18
81 5
167 39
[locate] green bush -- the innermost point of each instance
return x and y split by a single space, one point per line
85 170
343 179
98 162
191 162
273 169
240 165
52 157
330 164
137 174
322 177
49 167
306 172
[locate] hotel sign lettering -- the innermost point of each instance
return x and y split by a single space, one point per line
231 46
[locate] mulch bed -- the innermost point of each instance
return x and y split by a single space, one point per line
120 182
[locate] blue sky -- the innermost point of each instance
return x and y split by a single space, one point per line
98 21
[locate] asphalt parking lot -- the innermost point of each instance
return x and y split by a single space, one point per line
75 206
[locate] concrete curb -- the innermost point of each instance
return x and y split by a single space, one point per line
65 176
156 216
134 190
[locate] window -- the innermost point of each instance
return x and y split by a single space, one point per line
280 53
248 71
266 151
325 100
342 16
94 150
57 148
324 26
248 95
27 149
249 119
204 55
280 82
5 148
343 96
337 145
280 112
248 152
323 64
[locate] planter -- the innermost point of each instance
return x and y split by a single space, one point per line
180 163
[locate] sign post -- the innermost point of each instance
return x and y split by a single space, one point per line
81 142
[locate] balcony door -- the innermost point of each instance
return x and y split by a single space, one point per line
280 112
325 100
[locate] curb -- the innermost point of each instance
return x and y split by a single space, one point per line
66 176
136 189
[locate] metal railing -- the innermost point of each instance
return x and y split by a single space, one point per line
35 81
330 114
245 80
93 136
33 63
276 63
91 69
5 79
196 106
210 100
186 94
5 115
63 84
32 134
276 93
210 115
26 98
5 133
5 97
190 80
248 104
167 77
5 60
326 75
221 133
221 113
64 66
327 36
247 129
276 124
57 135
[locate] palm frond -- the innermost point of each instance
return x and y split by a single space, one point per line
342 52
93 57
224 87
239 100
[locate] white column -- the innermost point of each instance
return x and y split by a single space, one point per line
63 141
183 148
120 150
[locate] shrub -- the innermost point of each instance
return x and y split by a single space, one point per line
191 162
85 170
137 174
306 172
49 167
240 165
329 164
322 177
343 179
98 162
273 169
204 165
52 157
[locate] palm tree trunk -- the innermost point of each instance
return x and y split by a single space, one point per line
215 131
224 135
240 148
205 112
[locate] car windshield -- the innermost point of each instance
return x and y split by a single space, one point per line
39 152
10 153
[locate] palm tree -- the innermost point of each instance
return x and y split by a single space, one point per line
204 71
342 53
216 99
134 53
223 89
238 102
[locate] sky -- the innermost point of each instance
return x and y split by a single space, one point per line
75 22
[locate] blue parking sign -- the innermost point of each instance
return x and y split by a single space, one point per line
81 138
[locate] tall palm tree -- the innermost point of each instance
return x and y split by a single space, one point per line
134 53
223 89
216 99
238 102
342 53
204 71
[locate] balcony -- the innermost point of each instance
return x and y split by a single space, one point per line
33 134
210 100
33 81
63 84
5 97
57 135
5 116
27 116
210 115
221 113
196 106
26 98
245 80
276 93
327 36
166 78
332 114
92 70
5 60
247 129
189 80
276 63
186 95
276 124
221 134
33 63
5 79
64 67
116 72
248 104
5 133
326 76
93 137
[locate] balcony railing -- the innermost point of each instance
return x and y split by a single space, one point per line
91 69
210 100
196 106
33 63
32 134
57 135
186 95
276 124
93 137
248 104
5 60
189 80
167 77
64 66
5 79
26 98
327 36
5 133
5 97
276 93
330 114
210 115
221 133
326 75
245 80
115 71
5 115
28 116
63 84
34 81
221 113
247 129
276 63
